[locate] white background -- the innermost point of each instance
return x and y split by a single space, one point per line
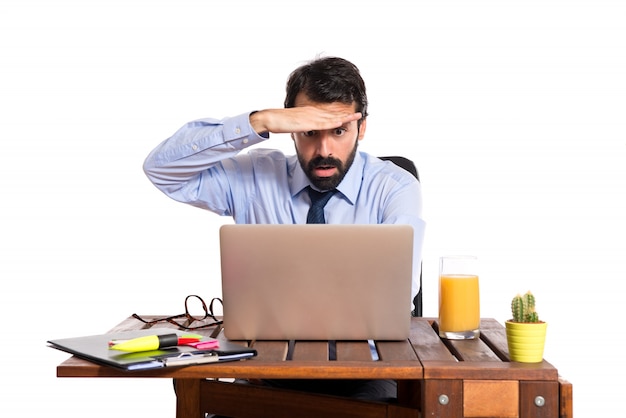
514 112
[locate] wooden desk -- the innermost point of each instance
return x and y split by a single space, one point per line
439 378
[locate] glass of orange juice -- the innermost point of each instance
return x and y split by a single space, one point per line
459 298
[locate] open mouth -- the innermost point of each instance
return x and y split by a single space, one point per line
325 170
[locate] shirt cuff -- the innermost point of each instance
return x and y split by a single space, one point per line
238 129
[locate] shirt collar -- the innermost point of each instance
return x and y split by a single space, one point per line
349 186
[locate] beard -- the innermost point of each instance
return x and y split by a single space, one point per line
327 183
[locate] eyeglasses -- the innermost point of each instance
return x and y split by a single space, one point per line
208 313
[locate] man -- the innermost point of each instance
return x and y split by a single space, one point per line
325 114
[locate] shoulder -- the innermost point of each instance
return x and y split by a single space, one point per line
268 157
398 168
261 159
263 153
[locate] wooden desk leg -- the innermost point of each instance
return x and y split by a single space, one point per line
442 398
188 398
566 399
539 399
409 400
409 393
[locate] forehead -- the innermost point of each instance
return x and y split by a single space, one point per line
303 100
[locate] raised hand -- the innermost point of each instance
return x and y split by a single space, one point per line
303 118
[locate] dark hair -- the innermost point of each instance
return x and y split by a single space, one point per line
328 80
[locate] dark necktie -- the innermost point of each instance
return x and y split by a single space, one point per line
318 201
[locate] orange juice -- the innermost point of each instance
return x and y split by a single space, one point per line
459 303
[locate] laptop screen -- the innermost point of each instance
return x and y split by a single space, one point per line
316 282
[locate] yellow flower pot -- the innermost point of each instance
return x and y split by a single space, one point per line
526 341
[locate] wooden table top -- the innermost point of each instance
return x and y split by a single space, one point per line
423 356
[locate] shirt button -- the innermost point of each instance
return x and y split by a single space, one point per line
194 147
245 140
237 131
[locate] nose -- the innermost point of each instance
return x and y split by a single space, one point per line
324 144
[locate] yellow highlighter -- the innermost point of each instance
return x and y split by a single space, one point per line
150 343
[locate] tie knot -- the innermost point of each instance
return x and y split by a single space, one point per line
320 198
318 201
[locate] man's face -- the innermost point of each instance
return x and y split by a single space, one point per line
325 156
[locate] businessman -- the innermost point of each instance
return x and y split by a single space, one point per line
325 115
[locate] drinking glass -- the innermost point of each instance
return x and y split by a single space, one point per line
459 298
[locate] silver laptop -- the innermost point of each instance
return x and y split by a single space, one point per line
316 282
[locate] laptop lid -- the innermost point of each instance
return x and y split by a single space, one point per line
316 282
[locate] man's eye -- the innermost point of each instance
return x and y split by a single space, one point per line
340 131
308 133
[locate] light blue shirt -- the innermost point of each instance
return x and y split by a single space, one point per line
202 165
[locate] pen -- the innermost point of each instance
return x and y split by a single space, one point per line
152 342
185 359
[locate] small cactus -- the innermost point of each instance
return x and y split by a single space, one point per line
523 308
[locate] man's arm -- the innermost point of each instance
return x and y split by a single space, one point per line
299 119
177 165
196 147
200 144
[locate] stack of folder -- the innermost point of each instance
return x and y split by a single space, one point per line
100 349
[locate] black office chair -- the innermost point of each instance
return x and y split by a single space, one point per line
409 166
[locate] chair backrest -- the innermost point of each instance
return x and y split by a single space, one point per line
409 166
403 162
